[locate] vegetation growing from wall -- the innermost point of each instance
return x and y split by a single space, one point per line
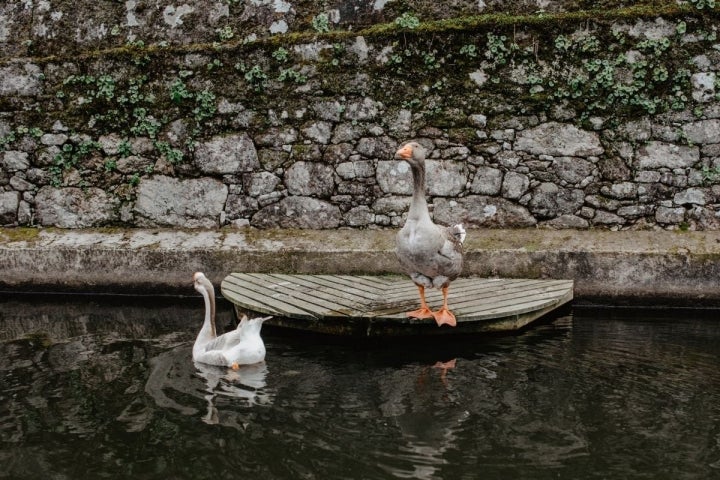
591 64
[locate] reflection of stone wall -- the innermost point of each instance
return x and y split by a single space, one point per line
207 114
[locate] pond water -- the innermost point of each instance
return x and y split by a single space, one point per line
106 388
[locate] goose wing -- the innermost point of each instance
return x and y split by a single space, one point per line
229 339
450 256
212 357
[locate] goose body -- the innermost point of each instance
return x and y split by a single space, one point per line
242 346
430 254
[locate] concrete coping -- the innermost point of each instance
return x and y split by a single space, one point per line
623 267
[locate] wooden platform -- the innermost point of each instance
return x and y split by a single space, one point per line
375 305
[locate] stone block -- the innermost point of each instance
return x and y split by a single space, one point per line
360 216
261 183
192 203
656 155
703 132
21 80
482 211
13 160
227 154
310 178
445 178
559 139
298 212
514 185
487 181
72 207
571 169
693 196
9 202
670 216
394 176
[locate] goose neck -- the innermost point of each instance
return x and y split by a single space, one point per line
418 208
209 324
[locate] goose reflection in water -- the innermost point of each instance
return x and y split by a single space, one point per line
226 392
426 410
246 383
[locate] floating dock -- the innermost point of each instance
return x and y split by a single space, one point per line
375 306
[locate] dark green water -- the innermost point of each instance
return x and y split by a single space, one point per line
92 389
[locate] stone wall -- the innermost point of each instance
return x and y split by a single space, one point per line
287 114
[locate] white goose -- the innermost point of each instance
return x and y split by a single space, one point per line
431 254
242 346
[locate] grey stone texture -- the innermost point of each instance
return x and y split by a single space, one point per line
73 207
298 212
242 134
227 154
558 139
167 201
553 174
9 203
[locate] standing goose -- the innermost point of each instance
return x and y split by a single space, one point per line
431 254
242 346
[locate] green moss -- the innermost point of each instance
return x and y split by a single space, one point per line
19 234
138 52
41 339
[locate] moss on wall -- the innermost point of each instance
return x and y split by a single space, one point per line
158 97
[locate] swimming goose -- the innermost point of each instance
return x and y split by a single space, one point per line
242 346
431 254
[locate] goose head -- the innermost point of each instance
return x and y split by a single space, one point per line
205 288
202 284
413 153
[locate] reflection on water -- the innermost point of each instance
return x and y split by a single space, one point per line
94 389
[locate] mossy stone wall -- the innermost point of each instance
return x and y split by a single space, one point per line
287 114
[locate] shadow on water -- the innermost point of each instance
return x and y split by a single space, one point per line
106 388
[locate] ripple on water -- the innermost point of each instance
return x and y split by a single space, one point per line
581 397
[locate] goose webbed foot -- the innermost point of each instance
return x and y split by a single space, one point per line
444 316
422 312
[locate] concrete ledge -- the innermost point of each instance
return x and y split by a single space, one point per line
628 267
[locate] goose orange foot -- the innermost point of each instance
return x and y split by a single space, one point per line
444 316
235 366
422 312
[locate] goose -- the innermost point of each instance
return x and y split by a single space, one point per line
242 346
430 254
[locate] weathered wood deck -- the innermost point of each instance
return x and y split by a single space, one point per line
376 305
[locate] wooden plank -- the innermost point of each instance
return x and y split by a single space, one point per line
481 309
499 303
345 286
510 295
510 308
461 295
460 289
322 296
275 298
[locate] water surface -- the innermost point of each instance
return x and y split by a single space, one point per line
95 388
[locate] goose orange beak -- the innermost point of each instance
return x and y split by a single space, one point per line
405 152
